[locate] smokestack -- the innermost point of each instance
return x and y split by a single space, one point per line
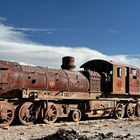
68 63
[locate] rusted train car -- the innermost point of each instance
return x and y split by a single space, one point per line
103 88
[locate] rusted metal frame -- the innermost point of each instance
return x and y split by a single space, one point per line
60 98
105 108
50 98
45 96
37 94
69 105
116 99
101 104
121 96
62 111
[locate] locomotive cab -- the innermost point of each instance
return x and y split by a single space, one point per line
105 70
116 79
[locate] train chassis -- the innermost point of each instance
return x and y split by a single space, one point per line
48 111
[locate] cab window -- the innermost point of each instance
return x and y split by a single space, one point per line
134 73
119 72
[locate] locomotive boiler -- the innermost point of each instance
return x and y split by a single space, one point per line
29 94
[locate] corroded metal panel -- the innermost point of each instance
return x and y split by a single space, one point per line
118 79
33 77
95 82
77 82
134 81
57 80
49 95
8 78
98 105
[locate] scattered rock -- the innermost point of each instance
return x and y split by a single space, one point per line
86 131
102 136
127 135
109 135
22 133
63 134
5 127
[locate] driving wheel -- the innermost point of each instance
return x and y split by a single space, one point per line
27 113
6 113
51 113
119 110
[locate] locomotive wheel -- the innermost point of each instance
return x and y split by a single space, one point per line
76 115
138 109
120 110
27 113
6 113
130 110
51 113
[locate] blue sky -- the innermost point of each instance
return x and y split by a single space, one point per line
110 27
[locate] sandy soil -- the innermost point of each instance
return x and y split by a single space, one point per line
99 129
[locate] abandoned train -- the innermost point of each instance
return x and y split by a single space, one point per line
103 88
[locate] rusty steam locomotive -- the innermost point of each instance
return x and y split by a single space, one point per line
103 88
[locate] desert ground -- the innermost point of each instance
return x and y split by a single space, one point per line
95 129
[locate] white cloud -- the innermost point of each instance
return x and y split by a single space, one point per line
45 55
49 31
15 46
7 33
